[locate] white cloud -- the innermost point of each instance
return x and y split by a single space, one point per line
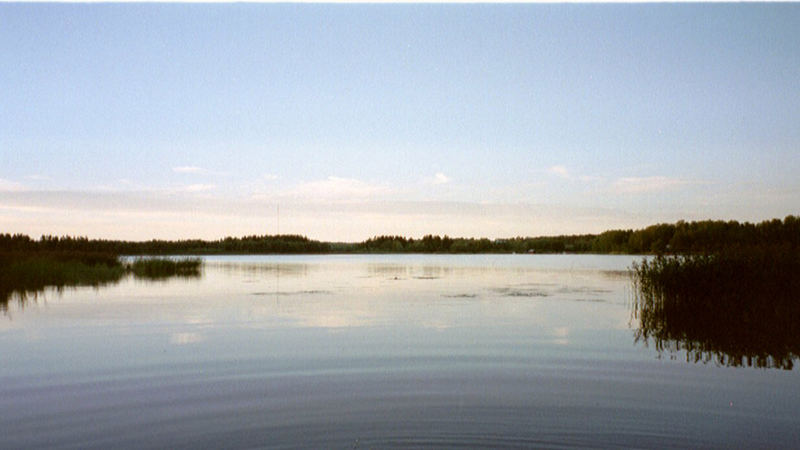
196 170
560 171
38 178
270 177
198 187
337 188
189 169
8 185
636 185
440 178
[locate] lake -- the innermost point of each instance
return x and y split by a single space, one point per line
372 351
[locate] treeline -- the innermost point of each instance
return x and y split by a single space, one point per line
679 238
708 236
446 244
229 245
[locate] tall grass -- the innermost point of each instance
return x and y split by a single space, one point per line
735 308
28 274
161 268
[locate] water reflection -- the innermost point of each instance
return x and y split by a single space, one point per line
345 292
24 294
732 329
334 352
366 291
261 268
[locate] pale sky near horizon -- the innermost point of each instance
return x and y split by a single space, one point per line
139 121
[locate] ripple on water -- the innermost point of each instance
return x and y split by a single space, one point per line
306 292
516 292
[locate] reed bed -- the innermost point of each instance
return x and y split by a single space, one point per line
25 274
161 268
735 308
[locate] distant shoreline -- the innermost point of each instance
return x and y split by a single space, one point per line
675 238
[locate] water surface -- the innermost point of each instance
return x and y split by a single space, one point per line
371 351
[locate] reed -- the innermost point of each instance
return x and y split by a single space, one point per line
736 308
161 268
24 275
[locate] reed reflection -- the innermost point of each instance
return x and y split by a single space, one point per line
729 309
25 276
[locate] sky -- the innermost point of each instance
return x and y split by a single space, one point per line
342 122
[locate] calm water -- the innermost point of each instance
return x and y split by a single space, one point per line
371 352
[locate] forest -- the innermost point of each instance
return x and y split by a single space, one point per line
683 237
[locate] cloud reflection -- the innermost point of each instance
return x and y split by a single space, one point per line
186 338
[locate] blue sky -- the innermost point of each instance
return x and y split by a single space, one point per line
148 120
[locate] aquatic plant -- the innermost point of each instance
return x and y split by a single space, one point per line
24 274
737 308
160 268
